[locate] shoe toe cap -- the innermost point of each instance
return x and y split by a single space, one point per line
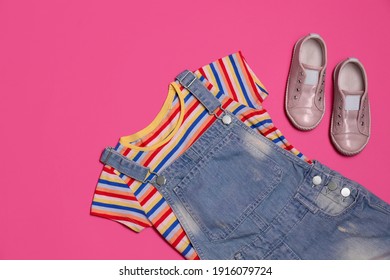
350 143
305 118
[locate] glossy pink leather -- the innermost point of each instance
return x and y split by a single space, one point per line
304 103
350 129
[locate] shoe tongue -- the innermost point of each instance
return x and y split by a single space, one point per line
312 74
311 67
352 99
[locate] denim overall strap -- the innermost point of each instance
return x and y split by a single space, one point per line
123 164
139 172
188 80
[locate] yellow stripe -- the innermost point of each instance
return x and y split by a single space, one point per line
166 223
135 218
182 245
112 178
152 201
133 204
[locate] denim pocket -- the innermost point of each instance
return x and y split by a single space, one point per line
333 203
334 200
227 184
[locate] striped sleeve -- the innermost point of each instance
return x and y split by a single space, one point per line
114 200
233 76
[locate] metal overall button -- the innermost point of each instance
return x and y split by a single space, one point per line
332 186
226 119
161 180
345 192
317 180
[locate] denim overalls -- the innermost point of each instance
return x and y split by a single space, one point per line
240 196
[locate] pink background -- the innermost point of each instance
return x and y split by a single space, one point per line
77 75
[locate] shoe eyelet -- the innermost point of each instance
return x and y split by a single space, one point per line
301 73
297 89
299 81
320 90
362 123
319 99
338 123
362 116
295 97
340 107
339 115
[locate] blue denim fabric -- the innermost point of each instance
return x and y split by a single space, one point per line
240 196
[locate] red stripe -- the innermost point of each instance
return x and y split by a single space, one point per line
197 258
269 131
127 219
126 152
115 195
289 147
251 79
209 85
162 127
202 72
251 114
178 239
161 219
227 79
143 201
108 169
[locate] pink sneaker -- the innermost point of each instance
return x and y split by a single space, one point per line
305 102
350 125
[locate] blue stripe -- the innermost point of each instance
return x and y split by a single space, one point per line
155 207
114 206
261 123
299 155
186 250
187 97
240 82
235 112
116 184
139 154
262 89
166 233
280 138
216 77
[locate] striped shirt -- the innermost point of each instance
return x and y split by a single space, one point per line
180 122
